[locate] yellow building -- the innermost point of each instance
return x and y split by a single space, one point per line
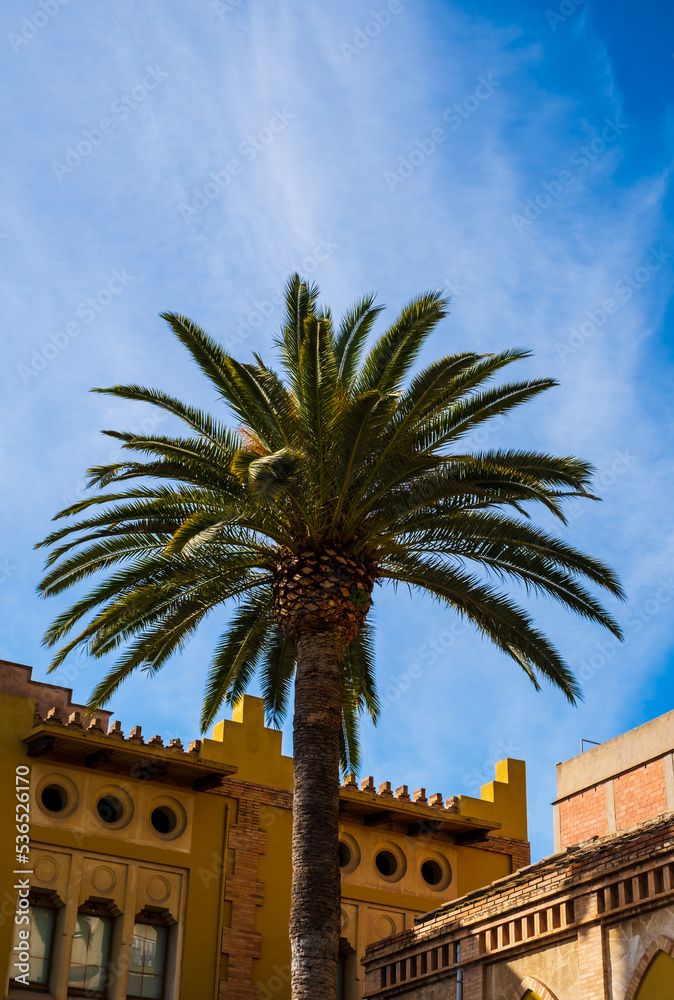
158 871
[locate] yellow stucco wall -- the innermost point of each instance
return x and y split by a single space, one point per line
197 853
202 860
254 749
503 801
16 718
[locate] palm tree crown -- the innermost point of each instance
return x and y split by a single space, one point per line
344 471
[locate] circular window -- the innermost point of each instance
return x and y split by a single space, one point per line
54 798
110 808
167 818
390 862
387 863
344 854
431 872
349 854
113 807
163 819
436 872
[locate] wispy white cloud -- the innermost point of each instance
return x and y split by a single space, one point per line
321 180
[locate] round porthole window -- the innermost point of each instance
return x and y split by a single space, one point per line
390 862
349 854
54 798
163 819
431 872
344 854
110 809
113 807
387 863
167 818
436 872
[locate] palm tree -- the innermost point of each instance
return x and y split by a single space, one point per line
341 473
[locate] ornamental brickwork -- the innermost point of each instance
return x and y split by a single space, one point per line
244 891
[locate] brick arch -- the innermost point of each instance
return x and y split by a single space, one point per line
539 988
660 943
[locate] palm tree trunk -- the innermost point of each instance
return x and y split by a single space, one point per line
316 891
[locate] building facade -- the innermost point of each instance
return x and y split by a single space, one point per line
592 922
152 870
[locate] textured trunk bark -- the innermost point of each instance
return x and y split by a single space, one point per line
316 892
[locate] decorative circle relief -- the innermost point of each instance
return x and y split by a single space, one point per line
158 888
103 879
46 870
345 920
384 927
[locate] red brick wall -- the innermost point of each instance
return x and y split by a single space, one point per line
640 794
519 850
583 816
241 943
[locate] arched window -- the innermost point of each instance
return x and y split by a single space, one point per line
90 952
532 988
658 981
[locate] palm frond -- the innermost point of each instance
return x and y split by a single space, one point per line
237 654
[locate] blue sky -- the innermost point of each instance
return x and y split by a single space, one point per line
165 156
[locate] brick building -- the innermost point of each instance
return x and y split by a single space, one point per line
613 786
592 922
164 871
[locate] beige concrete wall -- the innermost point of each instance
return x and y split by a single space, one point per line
653 739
